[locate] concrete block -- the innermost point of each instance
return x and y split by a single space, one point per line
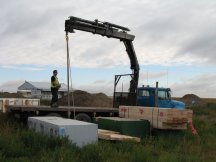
78 132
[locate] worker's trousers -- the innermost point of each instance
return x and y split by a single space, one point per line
54 96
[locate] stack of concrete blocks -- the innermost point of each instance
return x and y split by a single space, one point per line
160 118
78 132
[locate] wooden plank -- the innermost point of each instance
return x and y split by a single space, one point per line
114 136
107 131
117 119
119 137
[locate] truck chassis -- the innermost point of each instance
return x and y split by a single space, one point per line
79 113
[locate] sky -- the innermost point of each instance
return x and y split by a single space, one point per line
175 43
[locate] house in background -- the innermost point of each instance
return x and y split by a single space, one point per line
40 90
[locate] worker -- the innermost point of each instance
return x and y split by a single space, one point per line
54 89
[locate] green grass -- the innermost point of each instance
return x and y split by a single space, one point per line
17 144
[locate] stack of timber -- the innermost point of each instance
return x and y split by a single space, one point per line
115 136
4 102
159 118
131 127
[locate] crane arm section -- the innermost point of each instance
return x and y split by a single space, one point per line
111 31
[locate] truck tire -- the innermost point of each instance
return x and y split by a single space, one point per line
54 114
83 117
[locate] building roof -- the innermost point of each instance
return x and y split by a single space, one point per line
45 86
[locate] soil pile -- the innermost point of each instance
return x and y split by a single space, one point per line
10 95
85 99
192 100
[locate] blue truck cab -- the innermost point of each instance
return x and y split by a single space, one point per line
146 97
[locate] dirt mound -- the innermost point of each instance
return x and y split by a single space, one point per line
192 100
85 99
10 95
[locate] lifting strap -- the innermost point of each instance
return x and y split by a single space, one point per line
193 129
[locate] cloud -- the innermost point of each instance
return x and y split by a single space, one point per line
99 81
201 85
202 47
23 68
97 87
153 75
167 32
178 32
11 86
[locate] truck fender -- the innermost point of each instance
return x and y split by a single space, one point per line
83 117
54 114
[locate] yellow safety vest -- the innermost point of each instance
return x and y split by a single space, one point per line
55 83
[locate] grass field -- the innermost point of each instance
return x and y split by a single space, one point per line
17 144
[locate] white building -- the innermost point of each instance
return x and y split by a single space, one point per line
40 90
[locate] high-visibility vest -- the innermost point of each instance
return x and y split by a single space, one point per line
55 83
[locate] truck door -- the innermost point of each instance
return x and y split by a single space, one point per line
143 97
163 99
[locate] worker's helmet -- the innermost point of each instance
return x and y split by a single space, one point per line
55 71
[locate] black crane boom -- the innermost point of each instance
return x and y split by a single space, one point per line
111 31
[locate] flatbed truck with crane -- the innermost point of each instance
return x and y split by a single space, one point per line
142 96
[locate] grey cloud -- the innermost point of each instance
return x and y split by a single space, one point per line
24 68
100 50
105 87
153 75
99 82
27 21
183 28
11 86
203 47
202 85
189 27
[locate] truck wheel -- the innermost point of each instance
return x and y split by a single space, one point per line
54 114
83 117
